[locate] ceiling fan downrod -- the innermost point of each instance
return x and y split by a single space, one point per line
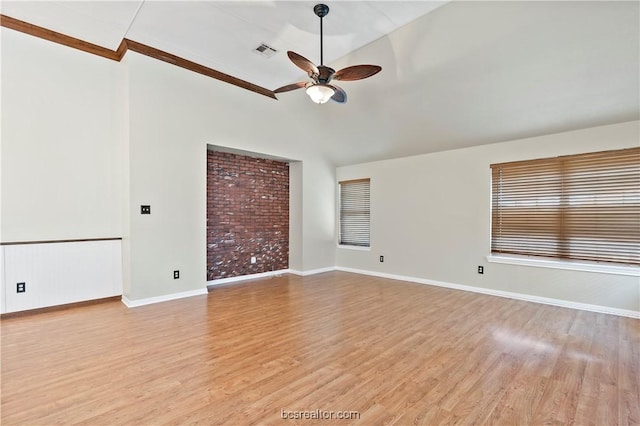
321 10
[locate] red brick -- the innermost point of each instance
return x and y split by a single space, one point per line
247 215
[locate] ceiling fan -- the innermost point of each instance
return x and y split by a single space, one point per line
319 90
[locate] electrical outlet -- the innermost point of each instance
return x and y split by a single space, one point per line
253 259
381 259
481 269
145 209
21 287
176 275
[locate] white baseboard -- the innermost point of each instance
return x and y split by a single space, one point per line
500 293
148 301
312 271
141 302
247 277
268 274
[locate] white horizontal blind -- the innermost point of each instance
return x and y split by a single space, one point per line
584 207
355 212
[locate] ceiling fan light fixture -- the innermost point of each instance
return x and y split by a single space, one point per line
320 93
319 90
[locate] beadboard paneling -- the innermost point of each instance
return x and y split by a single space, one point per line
59 273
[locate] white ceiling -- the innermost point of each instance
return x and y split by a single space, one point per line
224 34
480 72
455 74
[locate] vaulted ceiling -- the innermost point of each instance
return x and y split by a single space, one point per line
455 74
224 35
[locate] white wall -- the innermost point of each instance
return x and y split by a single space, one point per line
295 216
61 174
86 141
61 142
174 114
431 219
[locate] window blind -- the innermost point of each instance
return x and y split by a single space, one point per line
584 207
355 212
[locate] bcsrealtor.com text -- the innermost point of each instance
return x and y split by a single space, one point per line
319 414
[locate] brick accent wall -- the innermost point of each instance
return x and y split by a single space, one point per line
247 215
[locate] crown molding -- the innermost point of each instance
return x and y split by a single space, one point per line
125 45
169 58
46 34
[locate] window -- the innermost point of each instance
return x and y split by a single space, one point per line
354 213
584 207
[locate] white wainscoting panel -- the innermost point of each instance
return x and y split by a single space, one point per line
59 273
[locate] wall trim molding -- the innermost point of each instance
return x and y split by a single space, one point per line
500 293
165 298
62 307
126 45
312 271
65 40
163 56
230 280
602 268
77 240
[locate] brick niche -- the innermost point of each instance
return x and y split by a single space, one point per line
247 215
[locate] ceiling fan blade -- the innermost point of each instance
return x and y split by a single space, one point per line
303 63
290 87
356 72
339 96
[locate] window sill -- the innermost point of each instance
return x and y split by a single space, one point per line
632 271
344 246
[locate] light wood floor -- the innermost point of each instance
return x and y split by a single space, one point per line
395 352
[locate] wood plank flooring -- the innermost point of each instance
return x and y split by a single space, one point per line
386 352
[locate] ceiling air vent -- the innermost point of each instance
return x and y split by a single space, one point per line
265 50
